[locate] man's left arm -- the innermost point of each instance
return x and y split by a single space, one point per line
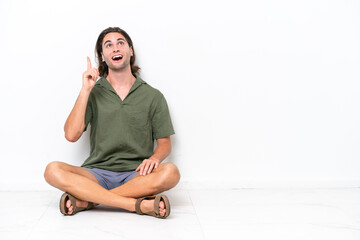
162 150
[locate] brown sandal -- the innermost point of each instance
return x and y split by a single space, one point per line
63 209
155 212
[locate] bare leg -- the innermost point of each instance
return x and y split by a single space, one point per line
77 182
83 185
163 178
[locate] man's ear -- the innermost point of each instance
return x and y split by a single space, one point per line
131 51
102 57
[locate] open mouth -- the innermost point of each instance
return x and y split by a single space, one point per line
117 57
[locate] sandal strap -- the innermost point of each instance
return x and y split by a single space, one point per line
90 205
138 203
165 200
155 212
156 206
137 206
73 203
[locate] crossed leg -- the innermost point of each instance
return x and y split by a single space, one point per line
84 186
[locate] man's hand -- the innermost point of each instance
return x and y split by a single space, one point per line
147 166
162 150
90 76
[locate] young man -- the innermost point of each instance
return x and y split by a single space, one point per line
126 115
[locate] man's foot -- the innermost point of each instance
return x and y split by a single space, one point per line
157 206
148 206
69 205
79 204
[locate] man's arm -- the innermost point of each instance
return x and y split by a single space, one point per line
75 123
162 150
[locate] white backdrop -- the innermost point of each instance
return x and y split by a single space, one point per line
261 92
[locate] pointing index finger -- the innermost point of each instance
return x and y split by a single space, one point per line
88 63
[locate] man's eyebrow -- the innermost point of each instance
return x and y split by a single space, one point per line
116 40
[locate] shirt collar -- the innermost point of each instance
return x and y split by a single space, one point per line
105 83
138 82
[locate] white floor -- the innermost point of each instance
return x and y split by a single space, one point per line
247 214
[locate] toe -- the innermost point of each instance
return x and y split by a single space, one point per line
68 204
162 209
69 207
70 210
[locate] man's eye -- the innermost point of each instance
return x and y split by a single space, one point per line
121 43
109 45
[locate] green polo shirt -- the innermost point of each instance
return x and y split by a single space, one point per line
123 132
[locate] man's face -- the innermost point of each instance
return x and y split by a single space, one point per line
116 51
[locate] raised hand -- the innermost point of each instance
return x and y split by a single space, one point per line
90 76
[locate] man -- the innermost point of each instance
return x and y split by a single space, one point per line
126 115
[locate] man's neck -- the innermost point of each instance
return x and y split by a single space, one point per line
121 79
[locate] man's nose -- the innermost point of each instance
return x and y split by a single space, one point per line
116 48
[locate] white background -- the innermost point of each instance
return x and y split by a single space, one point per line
260 92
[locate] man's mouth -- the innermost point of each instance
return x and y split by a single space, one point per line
117 57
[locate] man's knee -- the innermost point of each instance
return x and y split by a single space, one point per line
172 172
52 171
170 176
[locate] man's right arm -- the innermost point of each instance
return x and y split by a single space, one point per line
75 123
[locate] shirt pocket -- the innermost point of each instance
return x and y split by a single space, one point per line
139 119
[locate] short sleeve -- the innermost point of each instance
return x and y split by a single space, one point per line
161 120
89 112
